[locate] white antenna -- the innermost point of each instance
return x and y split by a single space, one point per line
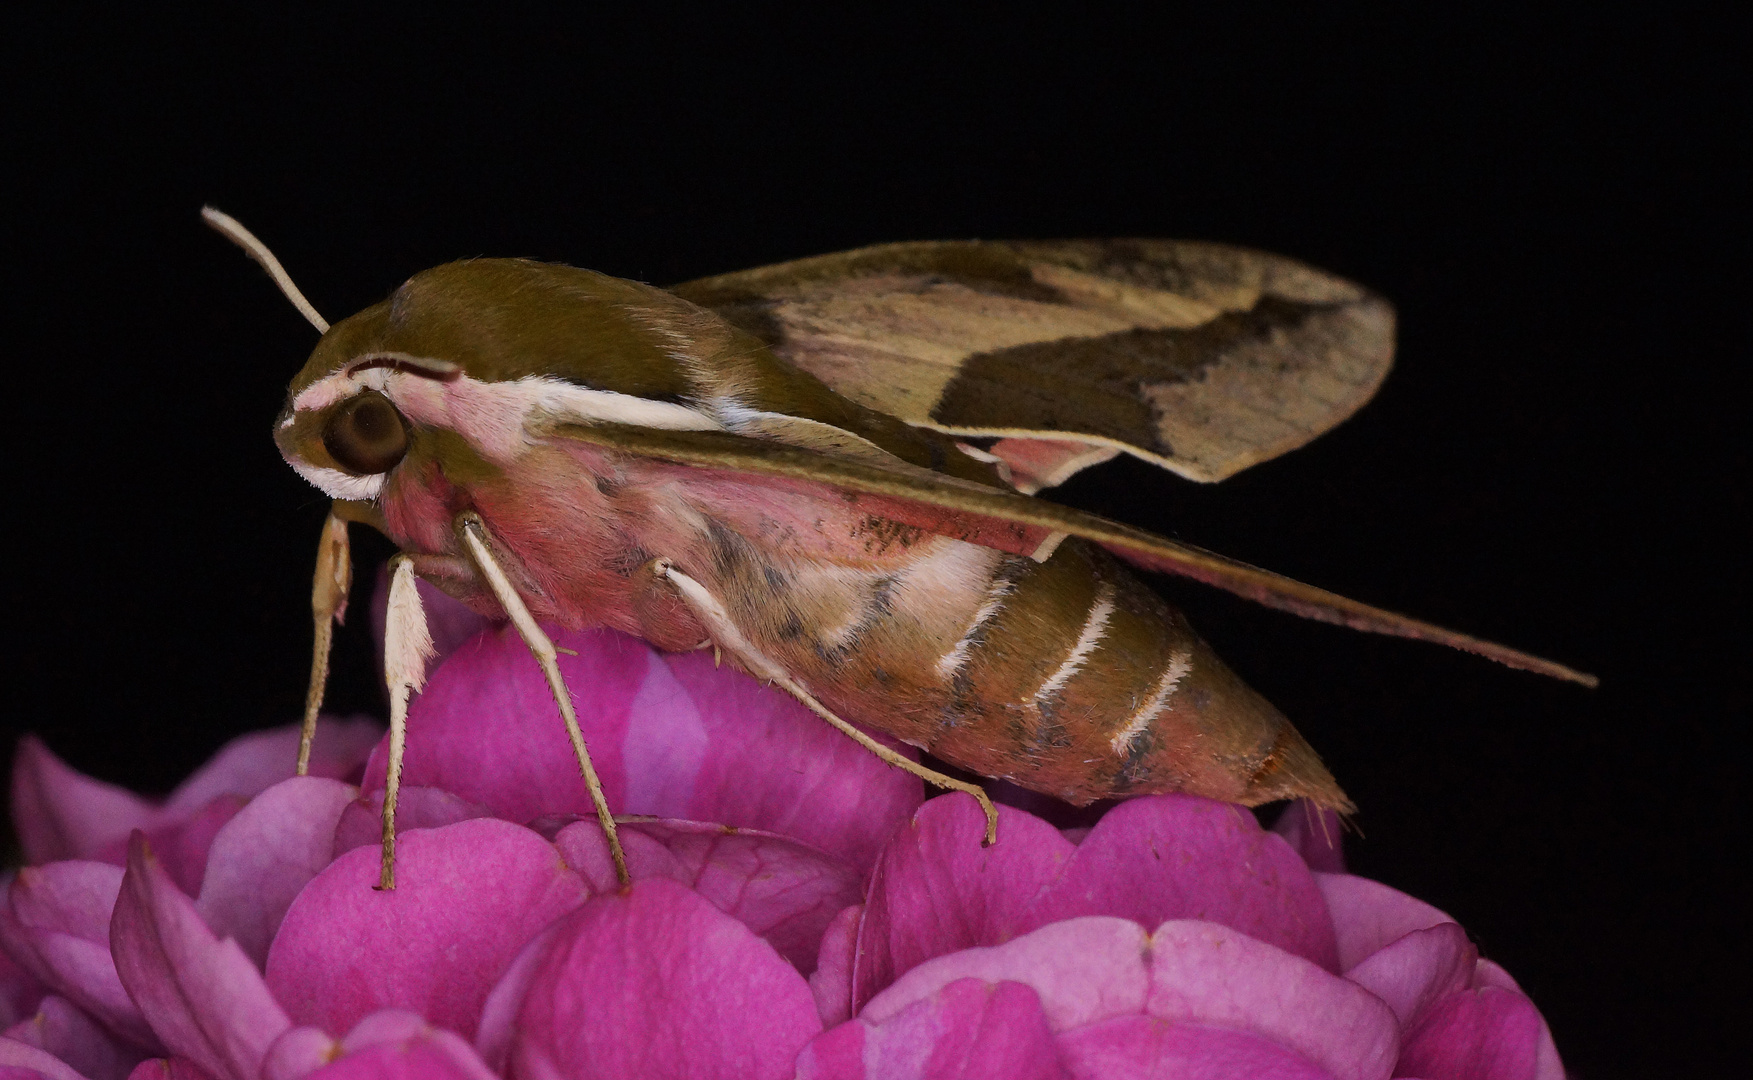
232 229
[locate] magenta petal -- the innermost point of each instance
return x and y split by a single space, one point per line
1140 1046
968 1029
1490 973
202 996
467 898
498 1027
487 730
69 1033
60 813
1315 833
936 890
1416 970
180 841
262 858
835 1054
769 763
297 1052
669 735
582 845
1085 970
1487 1034
655 982
1203 973
19 1061
56 924
361 821
175 1068
253 763
19 989
394 1044
831 982
783 891
1182 857
1368 915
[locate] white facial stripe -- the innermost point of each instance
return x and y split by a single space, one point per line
1180 663
339 485
495 416
1093 628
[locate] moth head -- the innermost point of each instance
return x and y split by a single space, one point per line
466 364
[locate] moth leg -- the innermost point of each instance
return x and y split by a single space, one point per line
718 623
328 606
473 532
407 645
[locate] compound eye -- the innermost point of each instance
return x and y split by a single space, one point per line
366 435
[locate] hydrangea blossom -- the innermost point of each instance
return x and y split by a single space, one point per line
797 910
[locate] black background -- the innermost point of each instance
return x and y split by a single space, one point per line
1546 197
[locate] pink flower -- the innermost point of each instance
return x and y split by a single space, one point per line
796 910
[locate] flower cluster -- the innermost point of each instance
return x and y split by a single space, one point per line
797 910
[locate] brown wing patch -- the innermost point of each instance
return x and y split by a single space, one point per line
1199 357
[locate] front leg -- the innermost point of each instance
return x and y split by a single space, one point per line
476 540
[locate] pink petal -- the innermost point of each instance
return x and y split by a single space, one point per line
1314 833
936 890
1085 970
967 1029
836 1054
769 763
499 1017
1182 857
69 1033
1418 969
262 858
655 982
60 813
1095 968
180 840
19 1061
393 1044
168 1069
1489 973
669 735
251 764
1141 1046
1203 973
467 898
202 996
831 983
56 924
298 1052
1487 1034
1368 915
486 729
361 822
19 989
785 892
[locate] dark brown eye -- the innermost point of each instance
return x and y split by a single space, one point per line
366 435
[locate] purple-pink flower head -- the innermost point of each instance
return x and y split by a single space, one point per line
797 910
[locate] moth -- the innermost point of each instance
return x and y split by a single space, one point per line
826 469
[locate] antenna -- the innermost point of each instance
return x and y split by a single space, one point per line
232 229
